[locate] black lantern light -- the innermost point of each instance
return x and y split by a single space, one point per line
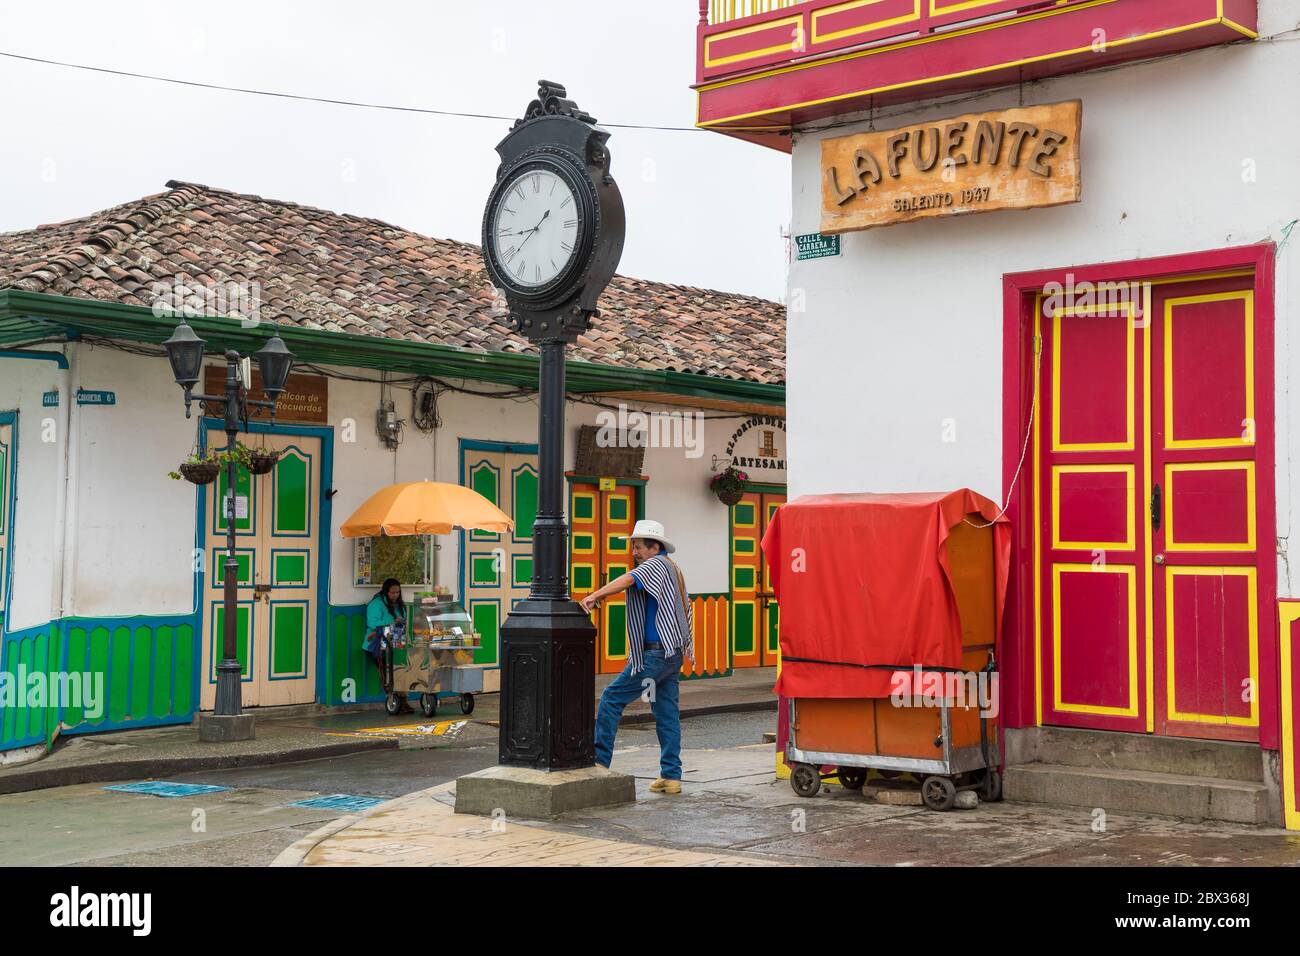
274 360
185 352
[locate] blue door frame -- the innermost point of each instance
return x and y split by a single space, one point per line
325 530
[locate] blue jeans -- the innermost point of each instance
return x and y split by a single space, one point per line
661 676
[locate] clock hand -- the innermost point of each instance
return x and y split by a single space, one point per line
532 232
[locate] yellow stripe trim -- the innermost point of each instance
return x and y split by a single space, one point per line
1130 572
818 37
1038 542
1171 541
1148 574
1127 444
1290 613
1130 542
1248 297
789 45
1253 625
709 124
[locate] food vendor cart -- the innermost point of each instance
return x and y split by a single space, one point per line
891 607
433 653
435 657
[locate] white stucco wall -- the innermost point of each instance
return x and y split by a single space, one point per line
33 531
904 330
133 529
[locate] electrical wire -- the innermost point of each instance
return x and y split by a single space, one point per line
359 104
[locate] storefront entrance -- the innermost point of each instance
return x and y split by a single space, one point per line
1152 471
601 518
755 615
278 530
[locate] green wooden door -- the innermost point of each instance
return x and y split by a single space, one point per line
498 568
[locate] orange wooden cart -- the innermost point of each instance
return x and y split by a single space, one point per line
947 740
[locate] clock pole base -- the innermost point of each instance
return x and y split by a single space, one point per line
525 793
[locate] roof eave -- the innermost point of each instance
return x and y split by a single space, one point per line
25 316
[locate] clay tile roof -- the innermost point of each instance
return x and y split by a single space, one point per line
326 270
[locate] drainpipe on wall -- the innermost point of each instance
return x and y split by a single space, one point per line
65 533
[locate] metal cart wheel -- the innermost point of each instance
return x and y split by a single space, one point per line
938 793
428 704
467 703
393 703
852 778
805 779
991 790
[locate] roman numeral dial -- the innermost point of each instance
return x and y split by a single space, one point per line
535 228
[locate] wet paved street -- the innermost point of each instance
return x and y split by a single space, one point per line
731 807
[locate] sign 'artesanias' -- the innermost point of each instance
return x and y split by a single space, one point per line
1014 159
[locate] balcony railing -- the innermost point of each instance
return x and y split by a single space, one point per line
765 65
713 12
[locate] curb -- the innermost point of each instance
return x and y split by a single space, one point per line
155 767
296 853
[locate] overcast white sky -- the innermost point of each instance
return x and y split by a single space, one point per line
703 209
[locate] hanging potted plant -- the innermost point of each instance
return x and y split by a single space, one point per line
262 460
729 485
198 469
204 469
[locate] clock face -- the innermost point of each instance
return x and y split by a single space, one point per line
535 228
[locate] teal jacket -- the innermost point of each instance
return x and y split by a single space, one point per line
377 614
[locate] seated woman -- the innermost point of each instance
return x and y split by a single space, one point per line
384 609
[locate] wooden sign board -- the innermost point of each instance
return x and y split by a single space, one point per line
1023 158
305 400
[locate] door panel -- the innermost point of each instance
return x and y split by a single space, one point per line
277 550
1208 543
1095 649
1150 524
600 552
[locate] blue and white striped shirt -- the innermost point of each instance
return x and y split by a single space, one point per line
673 618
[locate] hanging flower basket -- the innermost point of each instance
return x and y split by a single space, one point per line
200 472
729 485
262 460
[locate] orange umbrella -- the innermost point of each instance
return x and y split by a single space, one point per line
425 507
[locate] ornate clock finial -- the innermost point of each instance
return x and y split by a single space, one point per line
552 100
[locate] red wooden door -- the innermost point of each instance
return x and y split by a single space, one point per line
1152 583
1209 540
1094 649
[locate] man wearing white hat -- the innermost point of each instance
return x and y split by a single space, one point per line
658 636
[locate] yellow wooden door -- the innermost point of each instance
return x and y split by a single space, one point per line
277 528
600 552
498 568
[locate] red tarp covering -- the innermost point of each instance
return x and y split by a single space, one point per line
874 587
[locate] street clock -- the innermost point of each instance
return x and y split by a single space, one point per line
553 228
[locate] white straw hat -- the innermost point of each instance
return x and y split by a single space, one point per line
653 531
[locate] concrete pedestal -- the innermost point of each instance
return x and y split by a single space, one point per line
214 729
525 793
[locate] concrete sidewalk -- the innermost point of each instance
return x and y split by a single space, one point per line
305 734
732 812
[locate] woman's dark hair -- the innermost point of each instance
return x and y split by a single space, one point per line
398 610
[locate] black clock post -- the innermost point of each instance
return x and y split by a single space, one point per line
552 239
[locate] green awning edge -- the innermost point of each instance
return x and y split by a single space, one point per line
28 316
